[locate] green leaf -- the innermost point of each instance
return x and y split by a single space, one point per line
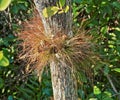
116 4
4 4
104 29
108 93
61 3
1 83
81 93
50 11
47 91
60 12
3 60
27 93
66 9
82 77
104 96
103 2
93 99
14 9
106 70
77 1
34 82
31 87
1 55
117 70
10 97
96 90
38 95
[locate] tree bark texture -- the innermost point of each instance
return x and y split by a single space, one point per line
63 81
58 22
64 84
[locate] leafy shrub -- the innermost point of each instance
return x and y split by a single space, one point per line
102 17
10 21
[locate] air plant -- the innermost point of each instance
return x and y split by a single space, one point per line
38 50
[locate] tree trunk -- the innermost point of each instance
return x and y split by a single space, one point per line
63 81
64 84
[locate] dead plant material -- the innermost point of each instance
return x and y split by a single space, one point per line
38 49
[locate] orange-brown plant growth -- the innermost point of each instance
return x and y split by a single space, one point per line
38 49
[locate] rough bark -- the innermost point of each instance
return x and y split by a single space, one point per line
58 22
63 82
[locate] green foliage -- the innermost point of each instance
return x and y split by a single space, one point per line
10 21
102 17
18 5
4 4
1 83
50 11
33 90
96 90
61 3
117 70
3 60
59 8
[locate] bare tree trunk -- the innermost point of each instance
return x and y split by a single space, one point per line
64 84
63 81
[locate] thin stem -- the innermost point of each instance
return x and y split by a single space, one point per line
113 86
111 83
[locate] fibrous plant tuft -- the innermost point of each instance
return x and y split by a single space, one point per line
38 50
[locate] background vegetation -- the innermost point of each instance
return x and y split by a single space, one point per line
102 17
